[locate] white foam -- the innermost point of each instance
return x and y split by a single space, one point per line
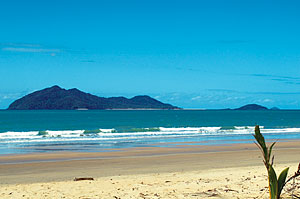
75 133
109 134
20 135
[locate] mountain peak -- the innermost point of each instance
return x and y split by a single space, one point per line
55 87
141 97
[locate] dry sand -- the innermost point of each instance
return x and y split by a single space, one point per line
233 171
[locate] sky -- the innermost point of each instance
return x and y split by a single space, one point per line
192 54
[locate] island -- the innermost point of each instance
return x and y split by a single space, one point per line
252 107
57 98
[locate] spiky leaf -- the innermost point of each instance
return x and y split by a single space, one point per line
281 181
261 141
273 183
270 152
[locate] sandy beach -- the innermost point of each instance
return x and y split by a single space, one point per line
184 171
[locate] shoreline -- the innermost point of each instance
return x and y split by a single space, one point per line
153 150
49 167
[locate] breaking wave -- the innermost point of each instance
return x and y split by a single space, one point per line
135 133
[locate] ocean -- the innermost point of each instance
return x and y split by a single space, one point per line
102 130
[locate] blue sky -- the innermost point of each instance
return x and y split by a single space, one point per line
193 54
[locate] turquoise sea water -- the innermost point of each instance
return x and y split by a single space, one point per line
48 131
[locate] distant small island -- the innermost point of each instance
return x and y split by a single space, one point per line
57 98
249 107
252 107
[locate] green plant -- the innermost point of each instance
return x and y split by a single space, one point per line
275 184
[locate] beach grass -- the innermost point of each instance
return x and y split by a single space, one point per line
275 184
